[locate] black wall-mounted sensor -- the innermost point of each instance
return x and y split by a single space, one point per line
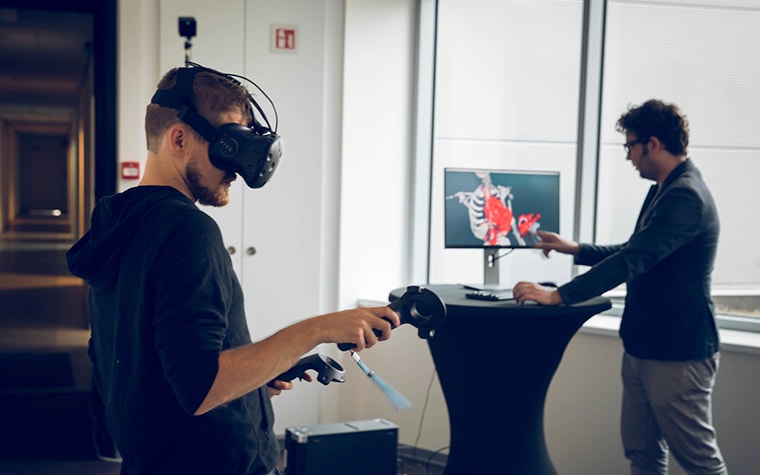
187 26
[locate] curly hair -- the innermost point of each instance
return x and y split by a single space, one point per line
655 118
214 95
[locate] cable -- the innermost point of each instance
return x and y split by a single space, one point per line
422 416
255 104
276 117
419 429
497 257
430 459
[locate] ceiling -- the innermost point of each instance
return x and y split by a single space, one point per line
43 56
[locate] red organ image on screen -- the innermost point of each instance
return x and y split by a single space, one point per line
491 216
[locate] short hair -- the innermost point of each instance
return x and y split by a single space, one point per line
655 118
214 94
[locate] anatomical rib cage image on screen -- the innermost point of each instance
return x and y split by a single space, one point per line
499 208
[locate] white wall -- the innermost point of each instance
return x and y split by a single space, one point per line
377 148
365 182
137 76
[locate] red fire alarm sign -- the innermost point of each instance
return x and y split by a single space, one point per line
284 38
130 170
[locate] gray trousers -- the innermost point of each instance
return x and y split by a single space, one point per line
667 405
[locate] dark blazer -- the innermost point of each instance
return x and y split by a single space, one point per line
667 265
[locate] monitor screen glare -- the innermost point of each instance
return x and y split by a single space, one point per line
498 208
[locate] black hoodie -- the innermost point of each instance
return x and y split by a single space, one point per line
164 302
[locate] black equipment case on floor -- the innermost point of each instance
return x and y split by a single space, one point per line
368 447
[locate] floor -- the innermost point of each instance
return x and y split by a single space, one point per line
409 463
60 467
97 467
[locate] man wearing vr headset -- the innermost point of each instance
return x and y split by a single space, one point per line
184 390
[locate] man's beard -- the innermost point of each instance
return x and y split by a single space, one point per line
206 196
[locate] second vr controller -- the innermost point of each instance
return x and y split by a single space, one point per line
420 307
328 370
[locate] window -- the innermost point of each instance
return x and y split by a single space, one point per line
508 89
705 57
507 79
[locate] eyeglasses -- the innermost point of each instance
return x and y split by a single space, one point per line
627 146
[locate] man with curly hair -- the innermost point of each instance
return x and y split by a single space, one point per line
668 325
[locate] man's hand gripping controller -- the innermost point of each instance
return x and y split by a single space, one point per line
328 370
421 308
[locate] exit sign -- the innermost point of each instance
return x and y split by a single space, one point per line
284 38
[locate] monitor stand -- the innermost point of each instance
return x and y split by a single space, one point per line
491 268
490 271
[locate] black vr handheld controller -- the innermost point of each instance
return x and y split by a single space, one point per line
328 370
421 308
252 152
418 306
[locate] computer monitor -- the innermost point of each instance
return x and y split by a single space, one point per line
495 209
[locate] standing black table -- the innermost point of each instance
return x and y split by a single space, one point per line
495 361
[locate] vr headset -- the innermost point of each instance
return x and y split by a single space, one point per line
253 152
